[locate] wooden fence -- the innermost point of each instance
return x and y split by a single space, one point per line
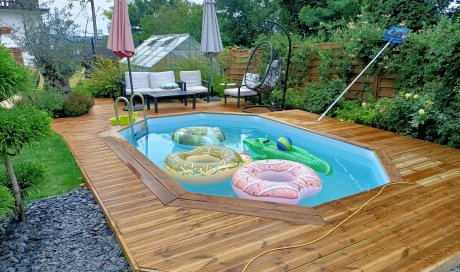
382 85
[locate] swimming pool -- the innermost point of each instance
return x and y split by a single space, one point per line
356 169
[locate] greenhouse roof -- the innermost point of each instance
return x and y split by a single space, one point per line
155 48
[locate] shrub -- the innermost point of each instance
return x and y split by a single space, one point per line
82 88
76 104
105 80
367 113
6 203
28 174
13 78
319 95
50 100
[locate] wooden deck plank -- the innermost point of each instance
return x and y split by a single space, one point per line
407 228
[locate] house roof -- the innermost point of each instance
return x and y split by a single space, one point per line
19 5
155 48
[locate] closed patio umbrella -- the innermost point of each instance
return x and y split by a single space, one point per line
120 37
211 43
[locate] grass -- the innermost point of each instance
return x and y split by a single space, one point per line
53 153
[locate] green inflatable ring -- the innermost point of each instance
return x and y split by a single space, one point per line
199 136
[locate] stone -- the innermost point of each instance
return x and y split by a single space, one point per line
63 233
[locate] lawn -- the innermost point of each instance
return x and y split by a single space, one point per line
53 153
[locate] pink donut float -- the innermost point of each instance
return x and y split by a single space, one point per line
279 181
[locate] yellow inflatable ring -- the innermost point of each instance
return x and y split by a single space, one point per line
203 165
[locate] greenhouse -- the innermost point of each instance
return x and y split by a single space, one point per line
165 51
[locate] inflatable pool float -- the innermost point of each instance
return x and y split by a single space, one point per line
267 149
203 165
123 119
276 181
199 136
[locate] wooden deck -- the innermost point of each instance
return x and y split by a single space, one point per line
408 228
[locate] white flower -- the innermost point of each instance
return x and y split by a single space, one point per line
421 112
415 96
363 104
408 95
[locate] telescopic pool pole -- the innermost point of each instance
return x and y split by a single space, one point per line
394 35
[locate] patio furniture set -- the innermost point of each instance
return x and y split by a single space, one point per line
155 86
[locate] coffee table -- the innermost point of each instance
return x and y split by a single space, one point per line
169 94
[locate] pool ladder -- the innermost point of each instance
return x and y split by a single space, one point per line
144 128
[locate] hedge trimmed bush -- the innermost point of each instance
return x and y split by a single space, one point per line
76 104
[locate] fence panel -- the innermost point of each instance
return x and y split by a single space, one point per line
382 85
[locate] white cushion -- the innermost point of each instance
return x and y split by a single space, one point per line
158 78
139 90
140 80
197 89
156 90
243 92
191 78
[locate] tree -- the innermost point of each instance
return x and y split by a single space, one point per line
13 78
51 39
289 14
176 17
336 12
242 21
138 10
413 14
18 127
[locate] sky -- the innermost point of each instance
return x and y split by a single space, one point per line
83 15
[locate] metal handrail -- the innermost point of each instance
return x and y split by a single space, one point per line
131 108
130 112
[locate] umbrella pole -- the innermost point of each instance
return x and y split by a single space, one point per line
130 76
212 77
135 107
211 95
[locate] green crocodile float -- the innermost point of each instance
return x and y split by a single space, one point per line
267 149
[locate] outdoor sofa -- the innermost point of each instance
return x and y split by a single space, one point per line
148 82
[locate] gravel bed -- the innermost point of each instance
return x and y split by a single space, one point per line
62 233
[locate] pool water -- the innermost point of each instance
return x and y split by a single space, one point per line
356 169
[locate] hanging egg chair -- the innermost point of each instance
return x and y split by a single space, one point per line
263 70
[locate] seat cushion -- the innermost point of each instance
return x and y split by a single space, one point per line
140 80
243 92
197 89
156 79
156 90
191 78
139 90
